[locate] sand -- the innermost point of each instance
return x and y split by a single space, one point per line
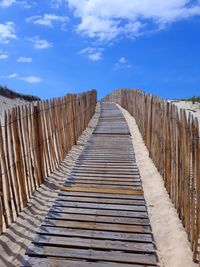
194 109
170 236
17 238
7 103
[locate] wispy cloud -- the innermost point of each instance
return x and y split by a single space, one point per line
28 79
31 79
24 59
93 53
49 20
108 20
57 3
40 43
11 76
122 63
7 32
3 55
27 4
7 3
22 3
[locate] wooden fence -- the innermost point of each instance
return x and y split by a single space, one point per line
173 141
34 139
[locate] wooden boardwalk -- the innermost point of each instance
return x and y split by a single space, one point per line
99 218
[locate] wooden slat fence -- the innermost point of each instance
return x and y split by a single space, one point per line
34 139
173 141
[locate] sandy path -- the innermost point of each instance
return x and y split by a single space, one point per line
170 236
16 239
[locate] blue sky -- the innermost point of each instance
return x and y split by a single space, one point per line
52 47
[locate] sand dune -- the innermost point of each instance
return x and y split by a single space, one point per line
194 109
7 103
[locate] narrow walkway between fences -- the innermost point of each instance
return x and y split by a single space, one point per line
99 218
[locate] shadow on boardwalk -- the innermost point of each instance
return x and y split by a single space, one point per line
17 238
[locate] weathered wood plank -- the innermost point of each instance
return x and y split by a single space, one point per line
102 200
105 175
97 234
54 262
100 206
103 212
98 218
91 243
95 178
96 255
102 182
101 195
102 186
127 228
103 190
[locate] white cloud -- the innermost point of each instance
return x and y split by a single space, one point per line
96 56
122 63
7 32
122 60
24 59
12 76
40 43
22 3
106 20
3 55
31 79
26 4
7 3
92 53
56 3
48 20
28 79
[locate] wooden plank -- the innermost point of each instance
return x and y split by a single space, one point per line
103 212
9 189
105 168
97 218
100 206
105 175
95 255
91 243
102 201
101 195
128 228
109 157
108 152
97 234
100 178
78 178
13 164
103 160
106 187
105 165
86 182
19 154
115 173
103 190
54 262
